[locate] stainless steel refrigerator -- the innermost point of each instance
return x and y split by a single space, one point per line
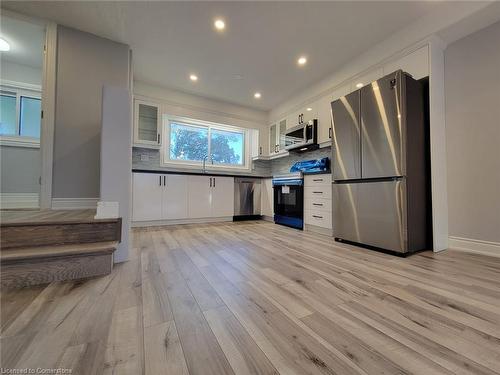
379 165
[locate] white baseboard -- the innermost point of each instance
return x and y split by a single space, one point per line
19 200
474 246
139 224
74 203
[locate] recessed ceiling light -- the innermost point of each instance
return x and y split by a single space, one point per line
257 95
302 60
193 77
4 45
309 109
219 24
359 85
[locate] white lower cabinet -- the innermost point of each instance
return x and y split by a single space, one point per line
267 197
222 196
199 196
147 196
318 203
175 203
159 197
210 196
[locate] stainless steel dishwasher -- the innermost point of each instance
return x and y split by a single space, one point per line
247 198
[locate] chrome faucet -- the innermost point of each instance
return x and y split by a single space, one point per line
205 162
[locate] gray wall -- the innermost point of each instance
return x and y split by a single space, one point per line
85 63
472 80
20 169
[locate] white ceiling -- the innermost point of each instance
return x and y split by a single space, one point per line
257 51
26 41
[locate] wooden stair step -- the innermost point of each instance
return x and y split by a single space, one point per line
37 252
46 233
27 266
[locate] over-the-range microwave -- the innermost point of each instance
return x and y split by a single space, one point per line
302 136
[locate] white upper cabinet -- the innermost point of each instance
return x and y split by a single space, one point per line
147 124
323 106
282 125
277 133
273 140
255 145
415 63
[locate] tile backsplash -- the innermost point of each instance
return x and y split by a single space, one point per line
144 158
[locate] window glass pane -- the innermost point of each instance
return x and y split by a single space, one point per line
8 115
30 117
226 147
188 142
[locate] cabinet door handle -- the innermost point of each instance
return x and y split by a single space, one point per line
330 133
159 183
318 204
214 181
158 137
164 180
317 179
260 150
210 181
317 216
317 192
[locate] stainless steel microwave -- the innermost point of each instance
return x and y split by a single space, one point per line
302 136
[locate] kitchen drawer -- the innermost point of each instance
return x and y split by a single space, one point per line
319 218
317 179
319 191
317 204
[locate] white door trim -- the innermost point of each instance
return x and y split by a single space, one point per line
48 120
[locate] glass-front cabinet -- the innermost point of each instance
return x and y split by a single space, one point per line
147 124
277 134
273 146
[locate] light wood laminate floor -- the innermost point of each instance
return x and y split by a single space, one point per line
258 298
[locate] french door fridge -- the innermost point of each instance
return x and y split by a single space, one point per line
379 165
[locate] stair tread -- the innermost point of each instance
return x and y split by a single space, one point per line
33 252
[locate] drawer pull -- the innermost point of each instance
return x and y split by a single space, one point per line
317 179
318 204
317 216
317 192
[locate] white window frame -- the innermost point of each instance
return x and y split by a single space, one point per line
19 90
190 164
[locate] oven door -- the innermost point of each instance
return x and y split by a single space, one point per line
289 203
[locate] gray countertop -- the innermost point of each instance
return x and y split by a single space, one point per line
209 173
